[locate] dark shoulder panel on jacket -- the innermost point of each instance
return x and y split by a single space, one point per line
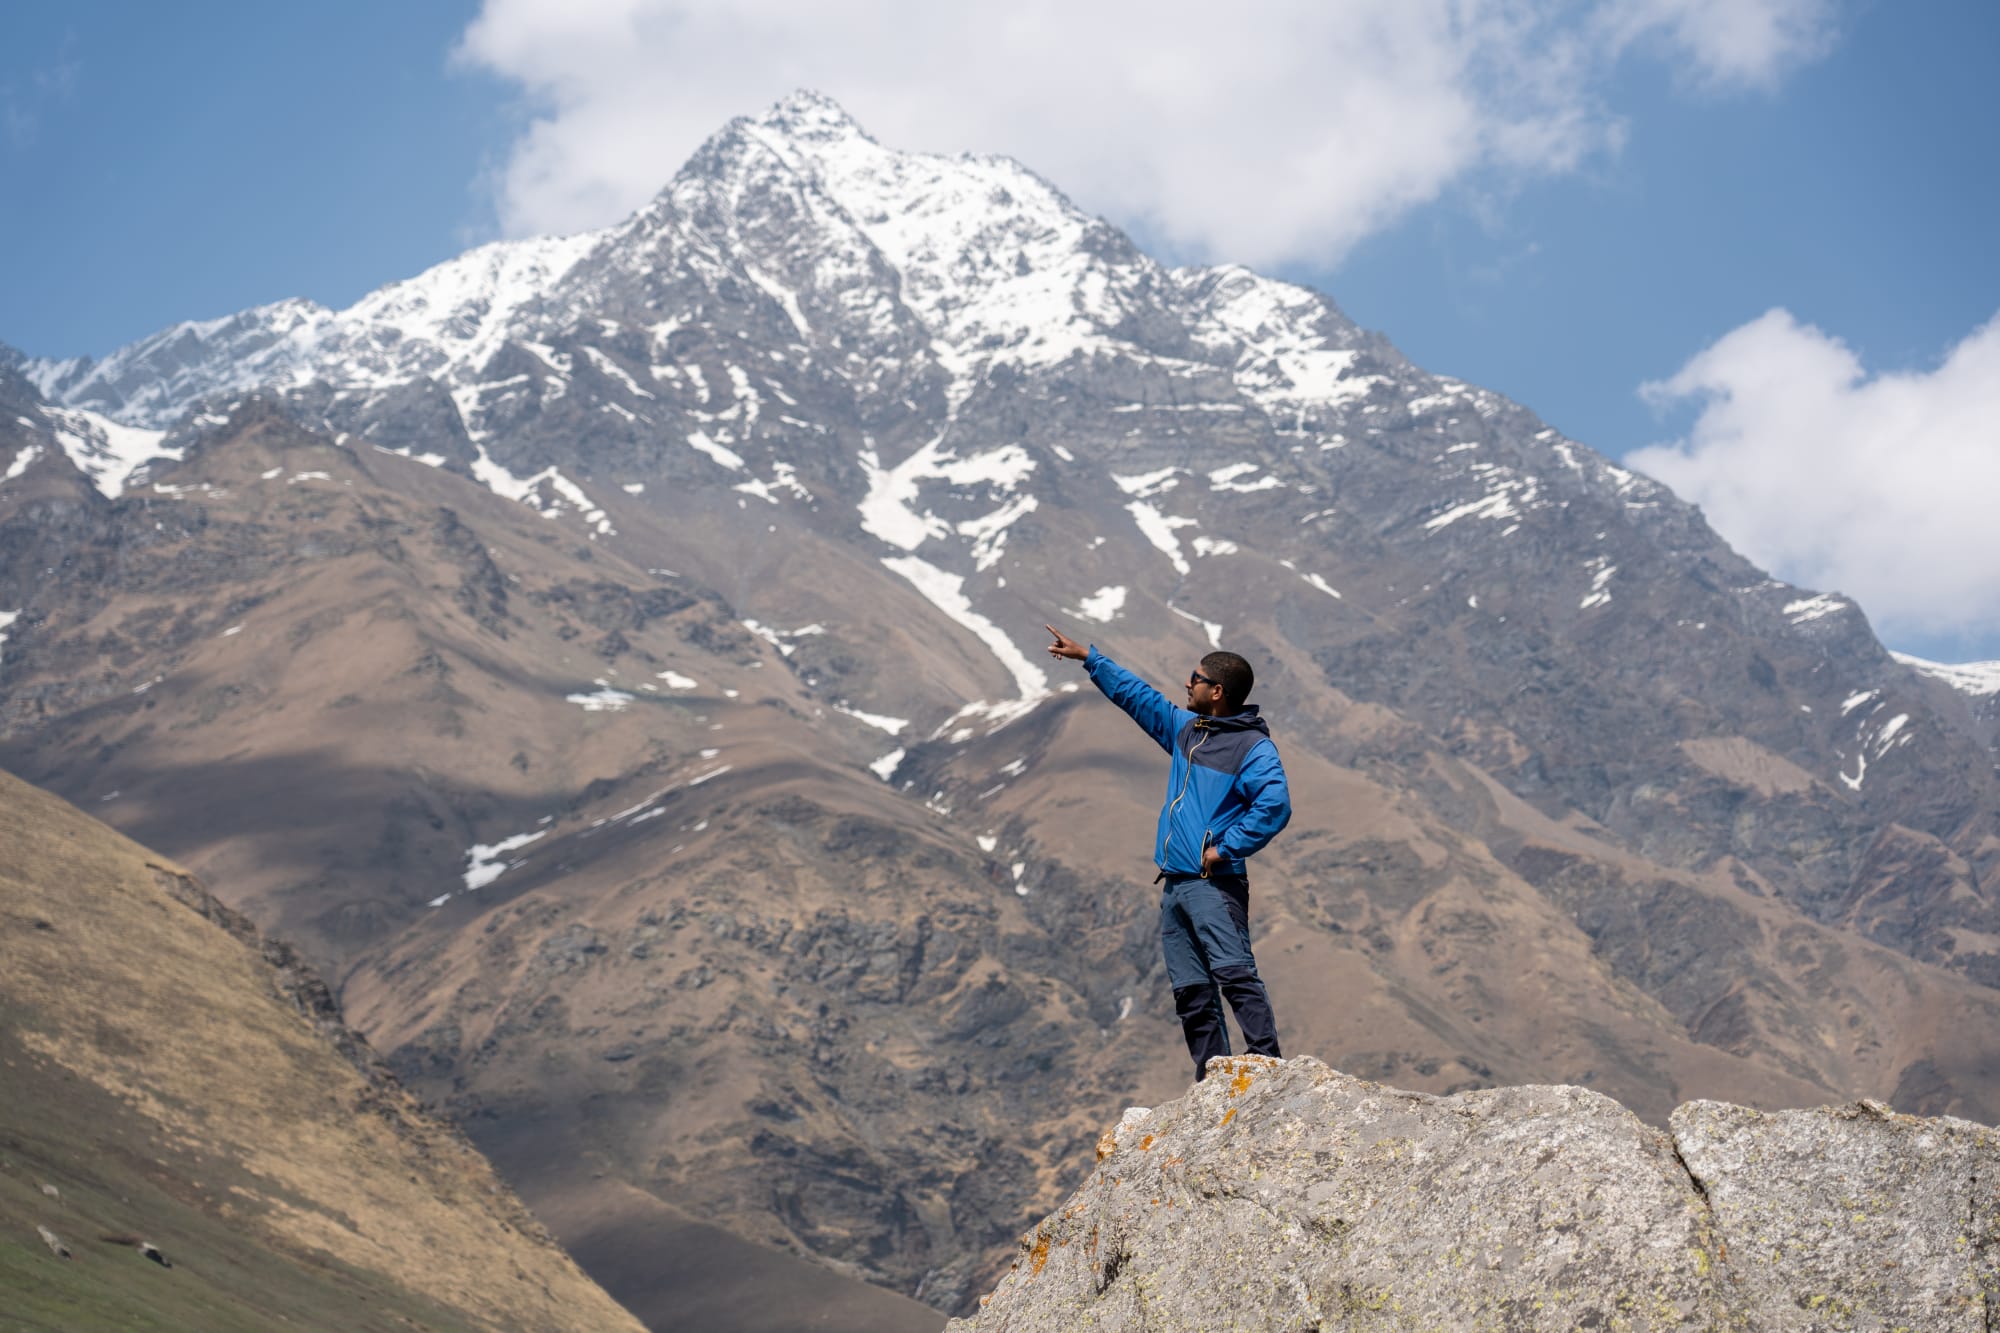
1226 750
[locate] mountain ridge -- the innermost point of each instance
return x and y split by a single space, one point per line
493 283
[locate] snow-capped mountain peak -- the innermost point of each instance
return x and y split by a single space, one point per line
900 273
995 263
974 259
807 115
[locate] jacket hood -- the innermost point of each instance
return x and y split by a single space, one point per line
1247 720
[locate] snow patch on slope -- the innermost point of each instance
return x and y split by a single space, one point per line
1158 529
946 592
22 460
1213 629
104 450
1103 605
880 721
781 639
603 699
486 862
889 509
1231 478
548 492
1507 494
1810 609
1601 570
1145 485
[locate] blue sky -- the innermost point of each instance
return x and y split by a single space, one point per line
1863 195
1625 212
181 162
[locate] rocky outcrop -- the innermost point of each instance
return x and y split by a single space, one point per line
1850 1217
1289 1196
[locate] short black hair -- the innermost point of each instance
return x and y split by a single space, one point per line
1233 675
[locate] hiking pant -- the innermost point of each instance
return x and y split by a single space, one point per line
1205 934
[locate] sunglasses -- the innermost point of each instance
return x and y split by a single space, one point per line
1196 676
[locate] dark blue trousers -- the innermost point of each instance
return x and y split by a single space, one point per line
1205 934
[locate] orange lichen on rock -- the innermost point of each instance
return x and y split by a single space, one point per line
1040 1254
1146 1144
1226 1119
1241 1083
1107 1143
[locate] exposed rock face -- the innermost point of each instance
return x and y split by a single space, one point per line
1855 1216
1289 1196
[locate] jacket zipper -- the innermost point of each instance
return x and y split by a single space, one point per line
1166 853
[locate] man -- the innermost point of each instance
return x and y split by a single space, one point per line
1226 798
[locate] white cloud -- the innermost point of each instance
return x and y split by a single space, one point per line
1880 487
1258 134
1732 43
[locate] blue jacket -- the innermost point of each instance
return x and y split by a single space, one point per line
1226 788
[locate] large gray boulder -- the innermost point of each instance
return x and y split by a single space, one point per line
1851 1217
1286 1196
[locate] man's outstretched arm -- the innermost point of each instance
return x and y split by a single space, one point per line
1146 705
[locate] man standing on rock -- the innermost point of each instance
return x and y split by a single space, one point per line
1226 798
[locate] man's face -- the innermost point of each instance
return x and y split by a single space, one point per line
1204 695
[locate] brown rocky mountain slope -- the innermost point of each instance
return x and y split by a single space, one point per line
725 972
170 1078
